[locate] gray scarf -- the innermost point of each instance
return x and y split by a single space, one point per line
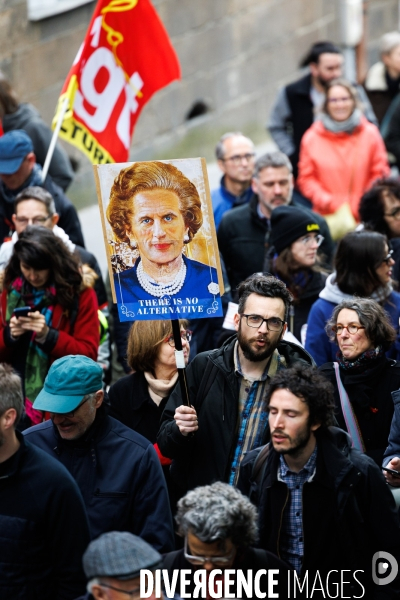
346 126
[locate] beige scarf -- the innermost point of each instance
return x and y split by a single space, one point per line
159 388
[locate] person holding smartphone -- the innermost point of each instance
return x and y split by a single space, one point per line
46 310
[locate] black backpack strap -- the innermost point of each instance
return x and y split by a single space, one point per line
259 465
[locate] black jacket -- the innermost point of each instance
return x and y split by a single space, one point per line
298 95
69 220
206 456
119 475
348 513
243 240
129 402
376 387
43 528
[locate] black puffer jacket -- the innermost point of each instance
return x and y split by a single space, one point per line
206 456
348 513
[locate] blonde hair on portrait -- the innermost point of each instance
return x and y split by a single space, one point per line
146 176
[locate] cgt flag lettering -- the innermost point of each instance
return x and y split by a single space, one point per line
125 58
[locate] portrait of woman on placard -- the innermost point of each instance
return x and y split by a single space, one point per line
156 210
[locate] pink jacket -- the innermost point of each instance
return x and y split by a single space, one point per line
335 168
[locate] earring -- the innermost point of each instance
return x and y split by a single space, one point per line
133 244
186 238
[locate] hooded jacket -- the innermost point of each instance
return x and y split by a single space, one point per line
26 117
119 475
348 513
317 342
335 168
207 455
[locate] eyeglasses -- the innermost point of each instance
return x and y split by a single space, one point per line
34 221
351 328
185 335
388 258
395 214
72 413
215 560
308 239
256 321
135 593
337 100
237 158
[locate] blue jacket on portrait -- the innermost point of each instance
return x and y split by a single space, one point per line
196 299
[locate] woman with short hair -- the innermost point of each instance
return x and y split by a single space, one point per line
363 332
363 268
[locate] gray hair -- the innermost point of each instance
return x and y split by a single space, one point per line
372 316
220 149
35 192
276 160
389 41
218 512
10 391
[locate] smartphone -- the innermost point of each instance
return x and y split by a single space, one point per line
391 471
22 311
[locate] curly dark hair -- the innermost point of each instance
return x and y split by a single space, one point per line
372 208
309 385
146 176
263 285
372 316
39 248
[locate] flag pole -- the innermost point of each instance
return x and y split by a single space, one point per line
53 142
180 361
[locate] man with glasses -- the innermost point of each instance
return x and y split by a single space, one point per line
227 386
112 565
219 528
19 170
235 156
244 233
116 469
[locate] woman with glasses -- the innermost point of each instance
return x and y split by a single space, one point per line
219 528
342 154
295 239
380 211
363 268
47 312
363 377
139 399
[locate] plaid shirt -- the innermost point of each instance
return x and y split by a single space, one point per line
253 417
292 537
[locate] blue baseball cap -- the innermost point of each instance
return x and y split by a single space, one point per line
14 146
68 381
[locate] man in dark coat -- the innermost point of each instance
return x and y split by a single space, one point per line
294 110
116 469
18 170
324 506
244 232
43 524
208 440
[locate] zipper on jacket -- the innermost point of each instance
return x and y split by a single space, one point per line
280 522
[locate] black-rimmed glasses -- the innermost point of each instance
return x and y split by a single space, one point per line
388 258
135 593
351 328
72 412
256 321
185 335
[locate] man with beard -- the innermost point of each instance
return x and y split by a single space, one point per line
297 103
323 505
243 234
227 387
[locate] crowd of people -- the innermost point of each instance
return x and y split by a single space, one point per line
286 455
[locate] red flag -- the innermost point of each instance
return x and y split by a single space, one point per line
125 58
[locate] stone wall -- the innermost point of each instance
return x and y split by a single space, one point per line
234 55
